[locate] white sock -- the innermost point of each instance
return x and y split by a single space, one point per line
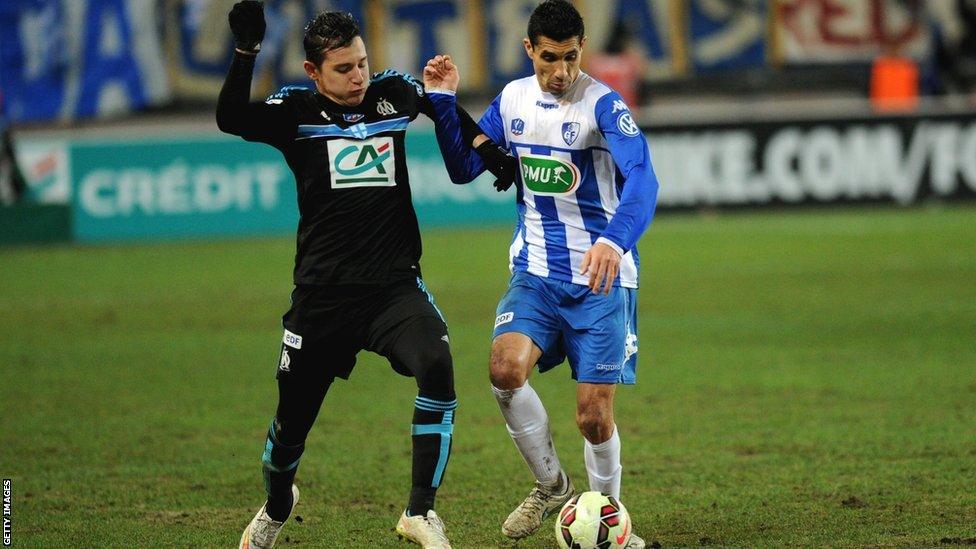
603 465
528 423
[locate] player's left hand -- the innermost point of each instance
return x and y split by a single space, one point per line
499 162
441 72
603 264
247 25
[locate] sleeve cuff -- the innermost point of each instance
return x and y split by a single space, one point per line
442 91
612 244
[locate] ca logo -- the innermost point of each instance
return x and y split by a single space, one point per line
367 163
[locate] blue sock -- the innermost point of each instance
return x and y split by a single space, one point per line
432 433
279 465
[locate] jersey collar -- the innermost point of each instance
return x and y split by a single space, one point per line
546 96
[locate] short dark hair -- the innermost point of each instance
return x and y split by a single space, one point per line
327 31
555 19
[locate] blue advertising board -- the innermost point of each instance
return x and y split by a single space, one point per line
219 187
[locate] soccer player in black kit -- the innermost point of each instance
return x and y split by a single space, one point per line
357 274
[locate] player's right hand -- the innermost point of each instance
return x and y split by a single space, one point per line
500 163
248 26
441 73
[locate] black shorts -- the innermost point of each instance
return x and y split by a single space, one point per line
327 326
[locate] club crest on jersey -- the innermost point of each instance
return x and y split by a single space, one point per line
355 117
630 346
385 108
366 163
518 126
285 363
571 131
549 176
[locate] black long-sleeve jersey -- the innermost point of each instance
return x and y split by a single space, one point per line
357 223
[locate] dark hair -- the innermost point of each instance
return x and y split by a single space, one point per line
555 19
327 31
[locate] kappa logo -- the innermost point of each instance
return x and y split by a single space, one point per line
518 126
546 106
627 126
618 106
285 364
571 131
367 163
385 108
548 175
504 318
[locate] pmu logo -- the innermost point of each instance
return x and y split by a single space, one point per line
549 176
367 163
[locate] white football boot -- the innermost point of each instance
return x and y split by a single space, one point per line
262 532
424 530
541 502
635 542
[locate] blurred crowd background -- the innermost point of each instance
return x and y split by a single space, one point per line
712 81
69 60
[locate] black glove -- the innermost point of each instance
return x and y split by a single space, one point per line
500 163
247 24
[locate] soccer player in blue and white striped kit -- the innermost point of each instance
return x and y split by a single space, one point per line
587 192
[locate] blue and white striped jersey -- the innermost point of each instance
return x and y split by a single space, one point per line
586 175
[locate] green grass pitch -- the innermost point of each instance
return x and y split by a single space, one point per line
806 379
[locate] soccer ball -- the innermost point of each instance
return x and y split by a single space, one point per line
592 520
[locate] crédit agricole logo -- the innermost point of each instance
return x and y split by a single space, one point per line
362 163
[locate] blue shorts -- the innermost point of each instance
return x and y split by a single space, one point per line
598 333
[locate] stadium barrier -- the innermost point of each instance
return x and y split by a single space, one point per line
35 224
901 159
217 187
221 187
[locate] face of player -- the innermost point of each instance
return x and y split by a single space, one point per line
344 74
557 64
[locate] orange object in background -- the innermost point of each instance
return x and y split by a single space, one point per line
619 65
622 72
894 83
